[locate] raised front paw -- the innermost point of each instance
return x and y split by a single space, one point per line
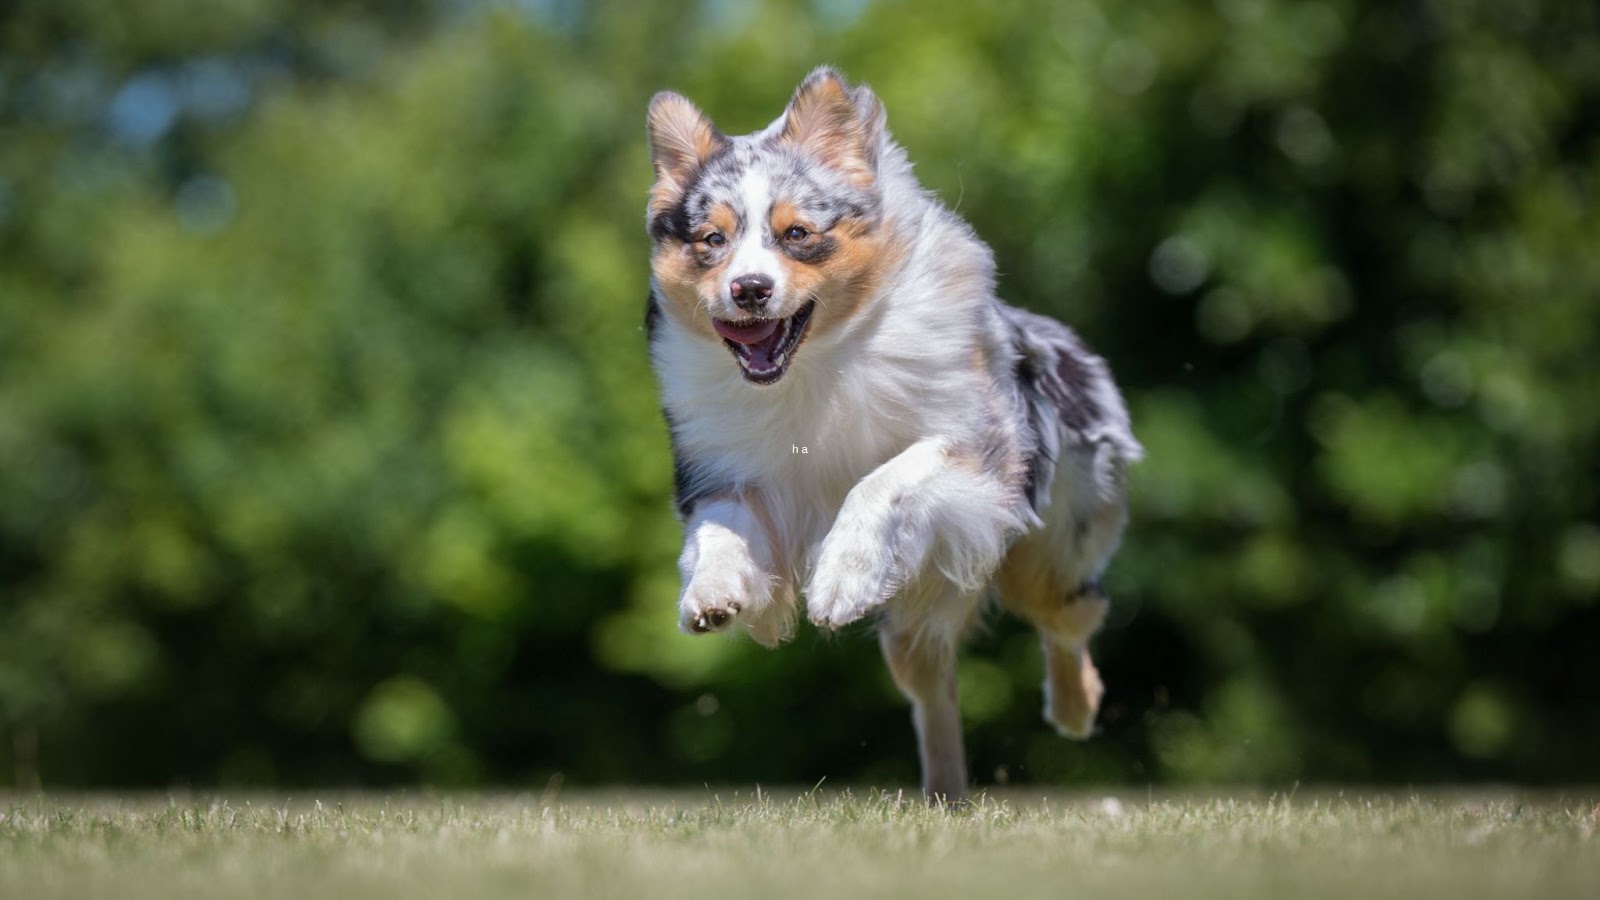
721 588
851 579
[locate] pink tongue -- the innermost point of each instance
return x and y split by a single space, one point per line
746 334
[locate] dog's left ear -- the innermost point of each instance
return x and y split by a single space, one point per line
840 126
681 140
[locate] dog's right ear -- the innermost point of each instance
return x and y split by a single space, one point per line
681 140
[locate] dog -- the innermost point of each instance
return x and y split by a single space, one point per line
853 410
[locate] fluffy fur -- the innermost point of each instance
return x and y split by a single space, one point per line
808 295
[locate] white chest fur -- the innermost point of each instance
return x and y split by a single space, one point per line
851 402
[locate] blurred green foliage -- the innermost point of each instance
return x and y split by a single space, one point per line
329 452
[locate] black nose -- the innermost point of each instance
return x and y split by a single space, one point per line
751 291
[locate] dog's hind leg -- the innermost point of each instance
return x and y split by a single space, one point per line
923 663
1065 617
1052 579
1072 687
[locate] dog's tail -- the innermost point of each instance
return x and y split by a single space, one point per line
1071 402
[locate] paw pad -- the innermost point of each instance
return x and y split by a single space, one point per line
714 619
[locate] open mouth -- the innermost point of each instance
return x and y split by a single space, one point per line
765 347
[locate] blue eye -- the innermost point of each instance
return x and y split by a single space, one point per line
796 233
715 239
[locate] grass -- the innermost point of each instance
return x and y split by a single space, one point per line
706 843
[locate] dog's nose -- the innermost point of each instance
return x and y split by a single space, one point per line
751 292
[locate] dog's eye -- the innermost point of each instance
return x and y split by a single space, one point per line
796 233
714 239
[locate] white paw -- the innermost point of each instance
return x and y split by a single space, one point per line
851 579
722 587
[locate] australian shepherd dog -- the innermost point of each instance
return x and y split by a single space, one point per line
857 420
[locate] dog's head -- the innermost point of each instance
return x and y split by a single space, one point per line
765 239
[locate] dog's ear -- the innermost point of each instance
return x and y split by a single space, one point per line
840 126
681 140
874 120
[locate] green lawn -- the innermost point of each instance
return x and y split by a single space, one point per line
826 846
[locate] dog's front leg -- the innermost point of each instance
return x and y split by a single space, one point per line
727 569
930 506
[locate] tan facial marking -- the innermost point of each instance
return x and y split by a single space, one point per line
785 214
721 220
850 276
688 283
